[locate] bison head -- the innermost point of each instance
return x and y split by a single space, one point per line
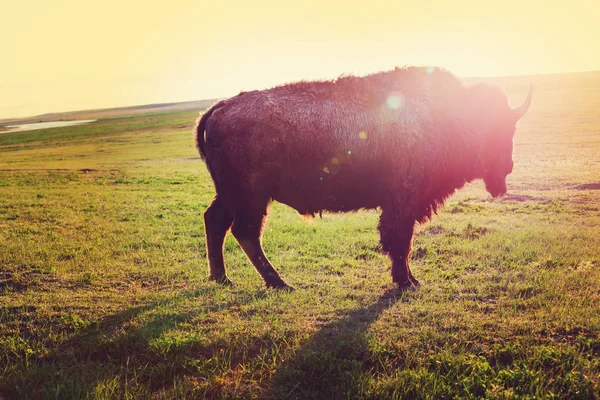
496 122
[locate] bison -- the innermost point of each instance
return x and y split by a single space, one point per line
402 140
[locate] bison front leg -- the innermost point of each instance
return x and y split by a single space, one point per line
217 221
396 240
247 230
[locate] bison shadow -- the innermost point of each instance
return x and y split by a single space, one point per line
112 350
328 363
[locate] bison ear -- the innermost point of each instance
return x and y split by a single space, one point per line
522 109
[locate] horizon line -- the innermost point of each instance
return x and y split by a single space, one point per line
6 120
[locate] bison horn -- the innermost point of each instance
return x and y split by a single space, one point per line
522 109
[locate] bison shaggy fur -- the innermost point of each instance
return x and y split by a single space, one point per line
402 141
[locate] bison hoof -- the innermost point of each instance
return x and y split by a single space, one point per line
286 288
411 284
281 286
222 279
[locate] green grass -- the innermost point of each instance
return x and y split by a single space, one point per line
104 290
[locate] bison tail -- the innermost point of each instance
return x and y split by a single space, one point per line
200 129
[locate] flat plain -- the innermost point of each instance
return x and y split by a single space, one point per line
104 290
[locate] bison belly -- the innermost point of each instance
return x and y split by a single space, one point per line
336 187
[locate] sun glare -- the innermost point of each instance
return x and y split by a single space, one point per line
157 52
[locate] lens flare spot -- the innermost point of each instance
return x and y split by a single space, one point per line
362 135
430 70
395 101
326 170
349 152
335 161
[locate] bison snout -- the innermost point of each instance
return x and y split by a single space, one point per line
496 187
498 194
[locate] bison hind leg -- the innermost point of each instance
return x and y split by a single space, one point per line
247 228
217 221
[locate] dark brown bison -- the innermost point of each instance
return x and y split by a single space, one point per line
402 140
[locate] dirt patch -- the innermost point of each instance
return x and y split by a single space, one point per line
84 170
7 284
11 282
435 230
588 186
519 198
186 159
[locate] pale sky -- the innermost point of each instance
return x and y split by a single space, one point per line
76 54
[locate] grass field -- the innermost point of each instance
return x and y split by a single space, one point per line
104 290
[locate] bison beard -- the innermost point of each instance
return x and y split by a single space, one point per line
402 140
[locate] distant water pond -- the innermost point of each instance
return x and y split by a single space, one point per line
45 125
